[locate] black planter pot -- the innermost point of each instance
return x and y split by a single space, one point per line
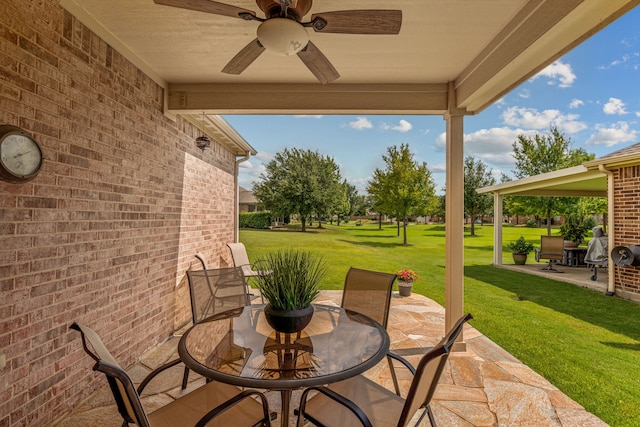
288 321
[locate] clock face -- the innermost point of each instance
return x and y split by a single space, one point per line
20 156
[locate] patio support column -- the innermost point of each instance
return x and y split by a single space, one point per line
454 216
236 197
497 228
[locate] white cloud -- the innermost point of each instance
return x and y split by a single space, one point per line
249 172
575 103
493 146
611 135
530 118
438 168
614 106
558 73
264 156
402 126
525 93
637 113
359 183
361 123
308 116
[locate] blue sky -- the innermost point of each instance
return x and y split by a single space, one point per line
592 94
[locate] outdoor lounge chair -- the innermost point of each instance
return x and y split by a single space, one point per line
214 404
360 401
552 249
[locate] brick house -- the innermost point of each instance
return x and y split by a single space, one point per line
114 92
106 231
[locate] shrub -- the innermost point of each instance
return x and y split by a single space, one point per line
520 246
254 219
531 223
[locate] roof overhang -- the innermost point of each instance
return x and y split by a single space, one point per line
574 181
220 131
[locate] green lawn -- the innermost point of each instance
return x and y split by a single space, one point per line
585 343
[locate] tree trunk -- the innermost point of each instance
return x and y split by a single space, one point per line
473 227
398 221
379 221
303 221
405 231
548 222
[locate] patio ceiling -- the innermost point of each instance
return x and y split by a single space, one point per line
449 55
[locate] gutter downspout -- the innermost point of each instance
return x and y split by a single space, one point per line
611 284
236 196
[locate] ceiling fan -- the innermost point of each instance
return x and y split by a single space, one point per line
283 31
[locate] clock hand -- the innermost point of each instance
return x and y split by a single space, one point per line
22 154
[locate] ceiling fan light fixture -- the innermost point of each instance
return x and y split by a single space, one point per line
283 36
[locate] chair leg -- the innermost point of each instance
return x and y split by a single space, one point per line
432 420
549 267
393 376
185 377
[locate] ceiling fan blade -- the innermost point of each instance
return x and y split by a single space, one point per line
207 6
318 64
244 58
359 21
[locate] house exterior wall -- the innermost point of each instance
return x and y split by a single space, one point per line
105 233
626 225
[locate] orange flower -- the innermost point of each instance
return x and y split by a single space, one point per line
407 275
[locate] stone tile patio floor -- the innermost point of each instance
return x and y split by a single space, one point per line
482 386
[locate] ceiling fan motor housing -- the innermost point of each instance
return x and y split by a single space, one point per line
283 36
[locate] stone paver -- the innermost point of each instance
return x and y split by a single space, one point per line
481 386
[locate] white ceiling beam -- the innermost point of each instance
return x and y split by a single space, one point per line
308 98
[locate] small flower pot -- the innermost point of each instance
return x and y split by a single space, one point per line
519 259
404 288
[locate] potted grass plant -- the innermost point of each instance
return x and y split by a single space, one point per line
290 288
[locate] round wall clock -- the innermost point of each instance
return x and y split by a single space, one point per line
20 155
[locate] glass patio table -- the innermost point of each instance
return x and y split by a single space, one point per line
239 347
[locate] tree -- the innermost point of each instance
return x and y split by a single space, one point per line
541 154
476 175
404 188
298 181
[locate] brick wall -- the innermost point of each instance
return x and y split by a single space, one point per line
106 231
626 224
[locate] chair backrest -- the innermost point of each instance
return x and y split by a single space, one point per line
368 292
202 259
239 254
429 371
551 247
215 290
122 387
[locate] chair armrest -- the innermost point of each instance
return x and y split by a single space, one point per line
234 401
340 399
155 372
402 360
